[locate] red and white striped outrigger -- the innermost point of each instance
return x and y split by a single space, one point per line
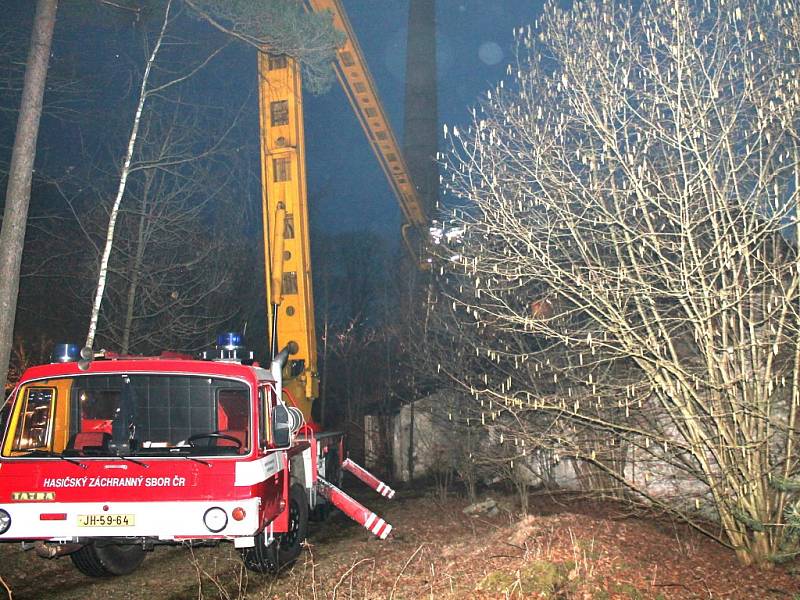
354 509
319 445
368 478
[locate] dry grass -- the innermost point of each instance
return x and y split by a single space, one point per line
580 552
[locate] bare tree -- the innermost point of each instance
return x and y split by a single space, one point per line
170 262
245 21
180 254
18 192
349 275
626 251
144 92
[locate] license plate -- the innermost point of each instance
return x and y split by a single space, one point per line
106 520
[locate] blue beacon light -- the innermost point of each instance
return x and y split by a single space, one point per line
229 341
64 353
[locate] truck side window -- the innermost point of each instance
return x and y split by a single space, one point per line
266 404
33 429
263 417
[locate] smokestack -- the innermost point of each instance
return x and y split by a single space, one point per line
421 127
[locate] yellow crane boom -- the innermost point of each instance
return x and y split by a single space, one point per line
287 250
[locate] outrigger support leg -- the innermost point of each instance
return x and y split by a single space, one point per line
368 478
354 509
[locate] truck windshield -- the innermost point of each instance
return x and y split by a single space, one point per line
129 415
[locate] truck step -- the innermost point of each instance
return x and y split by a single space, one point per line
368 478
354 509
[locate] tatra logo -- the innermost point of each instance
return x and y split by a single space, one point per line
32 496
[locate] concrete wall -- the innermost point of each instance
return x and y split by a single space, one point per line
425 433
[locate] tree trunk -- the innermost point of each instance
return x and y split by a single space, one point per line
123 180
18 193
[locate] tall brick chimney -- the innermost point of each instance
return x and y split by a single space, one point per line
421 128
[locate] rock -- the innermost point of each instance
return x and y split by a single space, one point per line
488 506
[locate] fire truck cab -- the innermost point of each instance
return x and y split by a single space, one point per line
106 457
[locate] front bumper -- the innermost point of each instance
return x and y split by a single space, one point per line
57 521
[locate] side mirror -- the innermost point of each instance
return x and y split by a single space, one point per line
281 426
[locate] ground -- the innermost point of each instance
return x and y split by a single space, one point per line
564 549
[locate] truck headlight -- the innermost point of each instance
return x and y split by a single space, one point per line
215 519
5 521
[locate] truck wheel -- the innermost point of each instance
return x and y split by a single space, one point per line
286 548
107 560
260 558
290 543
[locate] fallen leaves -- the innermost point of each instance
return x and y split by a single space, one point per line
566 549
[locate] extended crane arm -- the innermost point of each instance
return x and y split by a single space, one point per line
285 209
357 83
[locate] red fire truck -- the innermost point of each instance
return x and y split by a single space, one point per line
107 456
104 457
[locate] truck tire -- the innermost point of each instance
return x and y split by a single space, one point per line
290 543
260 558
107 560
283 552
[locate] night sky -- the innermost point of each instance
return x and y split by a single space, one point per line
474 39
347 189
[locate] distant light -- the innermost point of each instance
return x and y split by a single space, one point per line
490 53
63 353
